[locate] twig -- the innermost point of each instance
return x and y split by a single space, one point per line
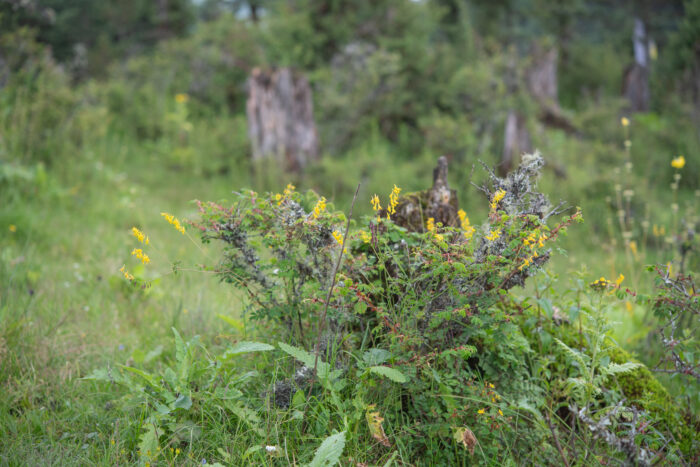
322 321
556 439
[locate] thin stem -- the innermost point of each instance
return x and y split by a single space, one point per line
322 321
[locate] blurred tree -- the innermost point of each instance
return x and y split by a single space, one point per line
107 30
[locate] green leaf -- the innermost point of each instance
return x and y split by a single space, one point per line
376 356
235 323
329 452
183 402
308 359
148 441
391 373
245 347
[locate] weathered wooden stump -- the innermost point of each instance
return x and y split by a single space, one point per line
439 202
281 123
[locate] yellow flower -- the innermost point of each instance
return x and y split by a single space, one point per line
375 203
127 276
430 224
497 197
393 201
466 226
177 451
338 237
288 191
678 162
173 221
139 235
365 236
13 228
492 386
319 208
500 412
112 441
619 280
181 98
633 247
481 411
625 121
138 252
493 235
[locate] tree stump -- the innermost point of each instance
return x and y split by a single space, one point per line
439 202
635 85
280 118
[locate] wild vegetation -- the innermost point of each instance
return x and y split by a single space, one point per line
168 299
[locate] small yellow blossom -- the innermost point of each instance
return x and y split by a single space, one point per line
319 208
601 283
633 247
139 236
181 98
177 451
619 280
500 412
174 221
430 224
365 236
466 226
393 201
138 252
375 203
13 228
492 386
678 162
127 276
625 121
494 235
338 237
112 442
481 411
286 194
497 197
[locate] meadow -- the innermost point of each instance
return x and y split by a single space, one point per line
107 358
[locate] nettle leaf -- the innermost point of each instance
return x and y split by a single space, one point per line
245 347
329 452
376 356
148 441
183 402
391 373
308 359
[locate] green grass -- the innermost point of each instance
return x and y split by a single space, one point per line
65 308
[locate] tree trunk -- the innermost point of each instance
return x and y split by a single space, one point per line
280 118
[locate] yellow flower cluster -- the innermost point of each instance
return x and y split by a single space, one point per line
430 227
466 226
173 220
138 252
532 241
678 162
393 201
365 236
286 194
338 237
494 235
181 98
139 235
375 205
658 231
497 197
625 121
127 276
319 208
